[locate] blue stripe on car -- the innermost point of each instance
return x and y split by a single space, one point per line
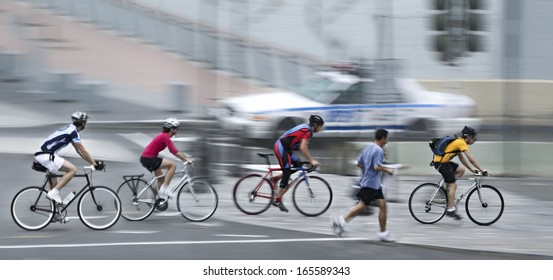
353 107
364 127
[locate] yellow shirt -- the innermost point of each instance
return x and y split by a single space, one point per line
456 146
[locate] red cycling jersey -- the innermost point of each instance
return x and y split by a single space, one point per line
158 144
292 138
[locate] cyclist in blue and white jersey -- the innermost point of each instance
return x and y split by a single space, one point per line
294 139
47 154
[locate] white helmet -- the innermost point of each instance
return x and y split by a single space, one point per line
79 117
171 123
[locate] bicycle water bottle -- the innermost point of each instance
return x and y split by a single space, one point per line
68 198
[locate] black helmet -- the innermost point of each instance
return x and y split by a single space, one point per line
315 119
469 131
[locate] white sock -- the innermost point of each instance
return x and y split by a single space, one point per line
54 191
163 188
342 221
383 233
451 209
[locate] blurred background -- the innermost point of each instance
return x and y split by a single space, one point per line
238 73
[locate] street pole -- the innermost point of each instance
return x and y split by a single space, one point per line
511 97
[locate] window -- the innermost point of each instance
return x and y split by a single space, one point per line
351 95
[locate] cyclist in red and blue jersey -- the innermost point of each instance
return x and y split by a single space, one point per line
292 140
151 160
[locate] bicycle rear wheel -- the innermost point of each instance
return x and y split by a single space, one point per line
197 201
253 194
99 208
484 205
31 209
428 203
138 200
312 196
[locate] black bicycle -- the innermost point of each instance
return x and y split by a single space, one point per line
99 207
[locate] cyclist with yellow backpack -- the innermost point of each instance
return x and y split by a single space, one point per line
451 170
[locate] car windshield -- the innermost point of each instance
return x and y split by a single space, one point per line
321 89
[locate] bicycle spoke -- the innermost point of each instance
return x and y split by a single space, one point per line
427 203
99 208
197 201
137 199
312 196
252 194
31 210
484 205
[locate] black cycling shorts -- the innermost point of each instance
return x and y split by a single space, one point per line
152 164
369 194
447 170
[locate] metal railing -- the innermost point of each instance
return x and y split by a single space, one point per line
194 41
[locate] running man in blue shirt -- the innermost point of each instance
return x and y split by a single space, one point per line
371 162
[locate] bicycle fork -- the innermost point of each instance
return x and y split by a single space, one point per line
98 205
484 204
308 186
192 191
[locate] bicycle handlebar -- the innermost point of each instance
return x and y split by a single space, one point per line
91 168
481 174
184 165
479 177
309 167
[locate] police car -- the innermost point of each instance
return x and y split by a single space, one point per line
351 107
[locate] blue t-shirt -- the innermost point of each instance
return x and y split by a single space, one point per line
372 155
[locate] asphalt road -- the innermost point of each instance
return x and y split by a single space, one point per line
166 235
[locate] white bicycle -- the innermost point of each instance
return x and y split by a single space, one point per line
197 200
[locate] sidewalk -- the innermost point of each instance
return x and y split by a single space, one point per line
524 228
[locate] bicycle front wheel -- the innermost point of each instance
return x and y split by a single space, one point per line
484 205
253 194
312 196
428 203
197 201
99 208
138 200
31 209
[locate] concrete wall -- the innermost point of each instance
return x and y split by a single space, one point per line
499 158
533 104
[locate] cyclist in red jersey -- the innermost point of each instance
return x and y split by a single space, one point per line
294 139
151 160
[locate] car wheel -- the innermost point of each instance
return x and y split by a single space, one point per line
284 126
420 129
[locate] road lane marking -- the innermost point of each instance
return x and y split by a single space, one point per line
136 231
242 235
167 214
30 236
205 242
208 224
